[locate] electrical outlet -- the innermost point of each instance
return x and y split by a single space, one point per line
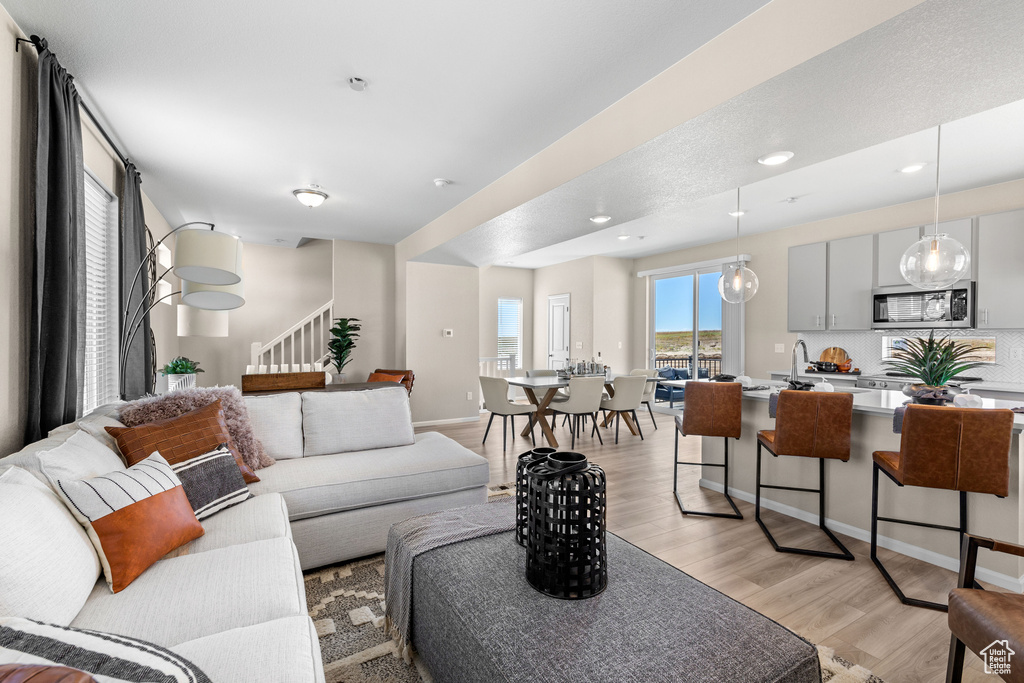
780 348
1017 353
620 345
579 345
469 395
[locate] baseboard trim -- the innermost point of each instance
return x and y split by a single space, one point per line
918 553
449 421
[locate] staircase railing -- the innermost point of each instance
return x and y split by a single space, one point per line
303 344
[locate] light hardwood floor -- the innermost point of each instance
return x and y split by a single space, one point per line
843 605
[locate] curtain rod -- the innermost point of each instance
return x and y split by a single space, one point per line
40 44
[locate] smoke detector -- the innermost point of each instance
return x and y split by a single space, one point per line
357 84
442 182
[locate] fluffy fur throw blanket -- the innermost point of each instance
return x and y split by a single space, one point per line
179 402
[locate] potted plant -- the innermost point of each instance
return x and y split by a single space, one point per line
343 336
933 361
181 373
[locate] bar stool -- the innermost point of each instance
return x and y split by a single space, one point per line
712 409
957 449
808 424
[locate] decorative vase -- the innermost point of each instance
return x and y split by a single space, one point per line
337 378
175 382
522 488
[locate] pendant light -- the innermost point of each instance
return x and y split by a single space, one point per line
738 283
935 261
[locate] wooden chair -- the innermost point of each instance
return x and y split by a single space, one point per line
808 424
957 449
408 376
712 409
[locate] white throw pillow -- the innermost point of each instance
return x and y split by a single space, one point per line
82 456
277 423
344 421
48 566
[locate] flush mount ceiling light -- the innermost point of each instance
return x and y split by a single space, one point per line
311 196
913 168
600 218
738 283
442 182
735 214
775 158
357 84
935 261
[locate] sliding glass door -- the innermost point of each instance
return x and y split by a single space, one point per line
687 322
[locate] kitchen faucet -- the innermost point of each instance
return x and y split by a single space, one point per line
807 359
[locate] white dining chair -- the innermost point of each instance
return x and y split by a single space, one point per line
495 390
584 400
629 390
648 397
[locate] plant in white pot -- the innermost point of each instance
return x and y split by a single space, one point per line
934 362
343 336
181 373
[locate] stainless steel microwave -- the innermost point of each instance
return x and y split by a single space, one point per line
910 307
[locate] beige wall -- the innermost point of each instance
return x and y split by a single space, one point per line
16 90
766 319
505 283
440 297
282 286
575 278
364 288
613 312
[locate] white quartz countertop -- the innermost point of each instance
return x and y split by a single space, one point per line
880 401
820 375
1008 387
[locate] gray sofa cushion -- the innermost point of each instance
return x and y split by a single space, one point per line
277 422
346 421
320 485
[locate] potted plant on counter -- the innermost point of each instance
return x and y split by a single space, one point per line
181 373
934 362
343 336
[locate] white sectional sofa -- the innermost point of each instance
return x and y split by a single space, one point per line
233 600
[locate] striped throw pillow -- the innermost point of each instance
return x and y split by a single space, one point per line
133 517
113 657
212 481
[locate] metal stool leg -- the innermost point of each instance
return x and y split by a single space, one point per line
844 554
875 519
504 431
955 663
735 514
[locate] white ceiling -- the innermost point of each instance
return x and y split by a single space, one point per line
852 115
228 106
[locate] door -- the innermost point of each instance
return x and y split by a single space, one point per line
558 331
687 329
807 283
850 272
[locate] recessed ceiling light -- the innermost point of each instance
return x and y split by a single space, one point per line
442 182
775 158
600 219
737 214
623 237
913 168
509 263
311 197
357 84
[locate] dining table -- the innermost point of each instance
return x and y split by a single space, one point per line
550 386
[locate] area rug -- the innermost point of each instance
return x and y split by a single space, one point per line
346 603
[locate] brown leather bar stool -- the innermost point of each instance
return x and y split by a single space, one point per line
808 424
984 620
711 409
958 449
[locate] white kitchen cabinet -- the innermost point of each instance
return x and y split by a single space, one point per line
1000 275
891 247
850 277
808 265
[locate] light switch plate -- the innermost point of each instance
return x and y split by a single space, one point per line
469 395
579 345
1017 353
780 348
620 345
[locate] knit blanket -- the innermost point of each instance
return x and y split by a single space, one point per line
417 535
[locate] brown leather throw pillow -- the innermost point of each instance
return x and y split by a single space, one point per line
42 673
181 438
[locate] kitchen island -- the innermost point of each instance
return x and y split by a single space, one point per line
848 488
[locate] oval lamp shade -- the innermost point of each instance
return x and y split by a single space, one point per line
208 257
196 322
935 262
737 284
212 297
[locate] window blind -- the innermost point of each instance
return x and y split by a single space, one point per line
510 331
101 296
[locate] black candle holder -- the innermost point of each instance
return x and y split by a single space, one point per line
521 507
565 534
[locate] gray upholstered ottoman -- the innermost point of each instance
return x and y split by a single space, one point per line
475 619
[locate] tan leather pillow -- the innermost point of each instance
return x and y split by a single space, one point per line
42 673
381 377
180 438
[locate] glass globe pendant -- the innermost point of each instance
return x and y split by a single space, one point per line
737 283
935 261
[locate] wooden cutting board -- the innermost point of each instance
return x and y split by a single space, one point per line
834 354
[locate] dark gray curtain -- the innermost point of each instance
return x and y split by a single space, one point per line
137 376
56 351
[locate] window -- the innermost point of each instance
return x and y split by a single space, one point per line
688 322
101 296
510 331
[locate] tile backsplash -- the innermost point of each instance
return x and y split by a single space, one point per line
865 348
